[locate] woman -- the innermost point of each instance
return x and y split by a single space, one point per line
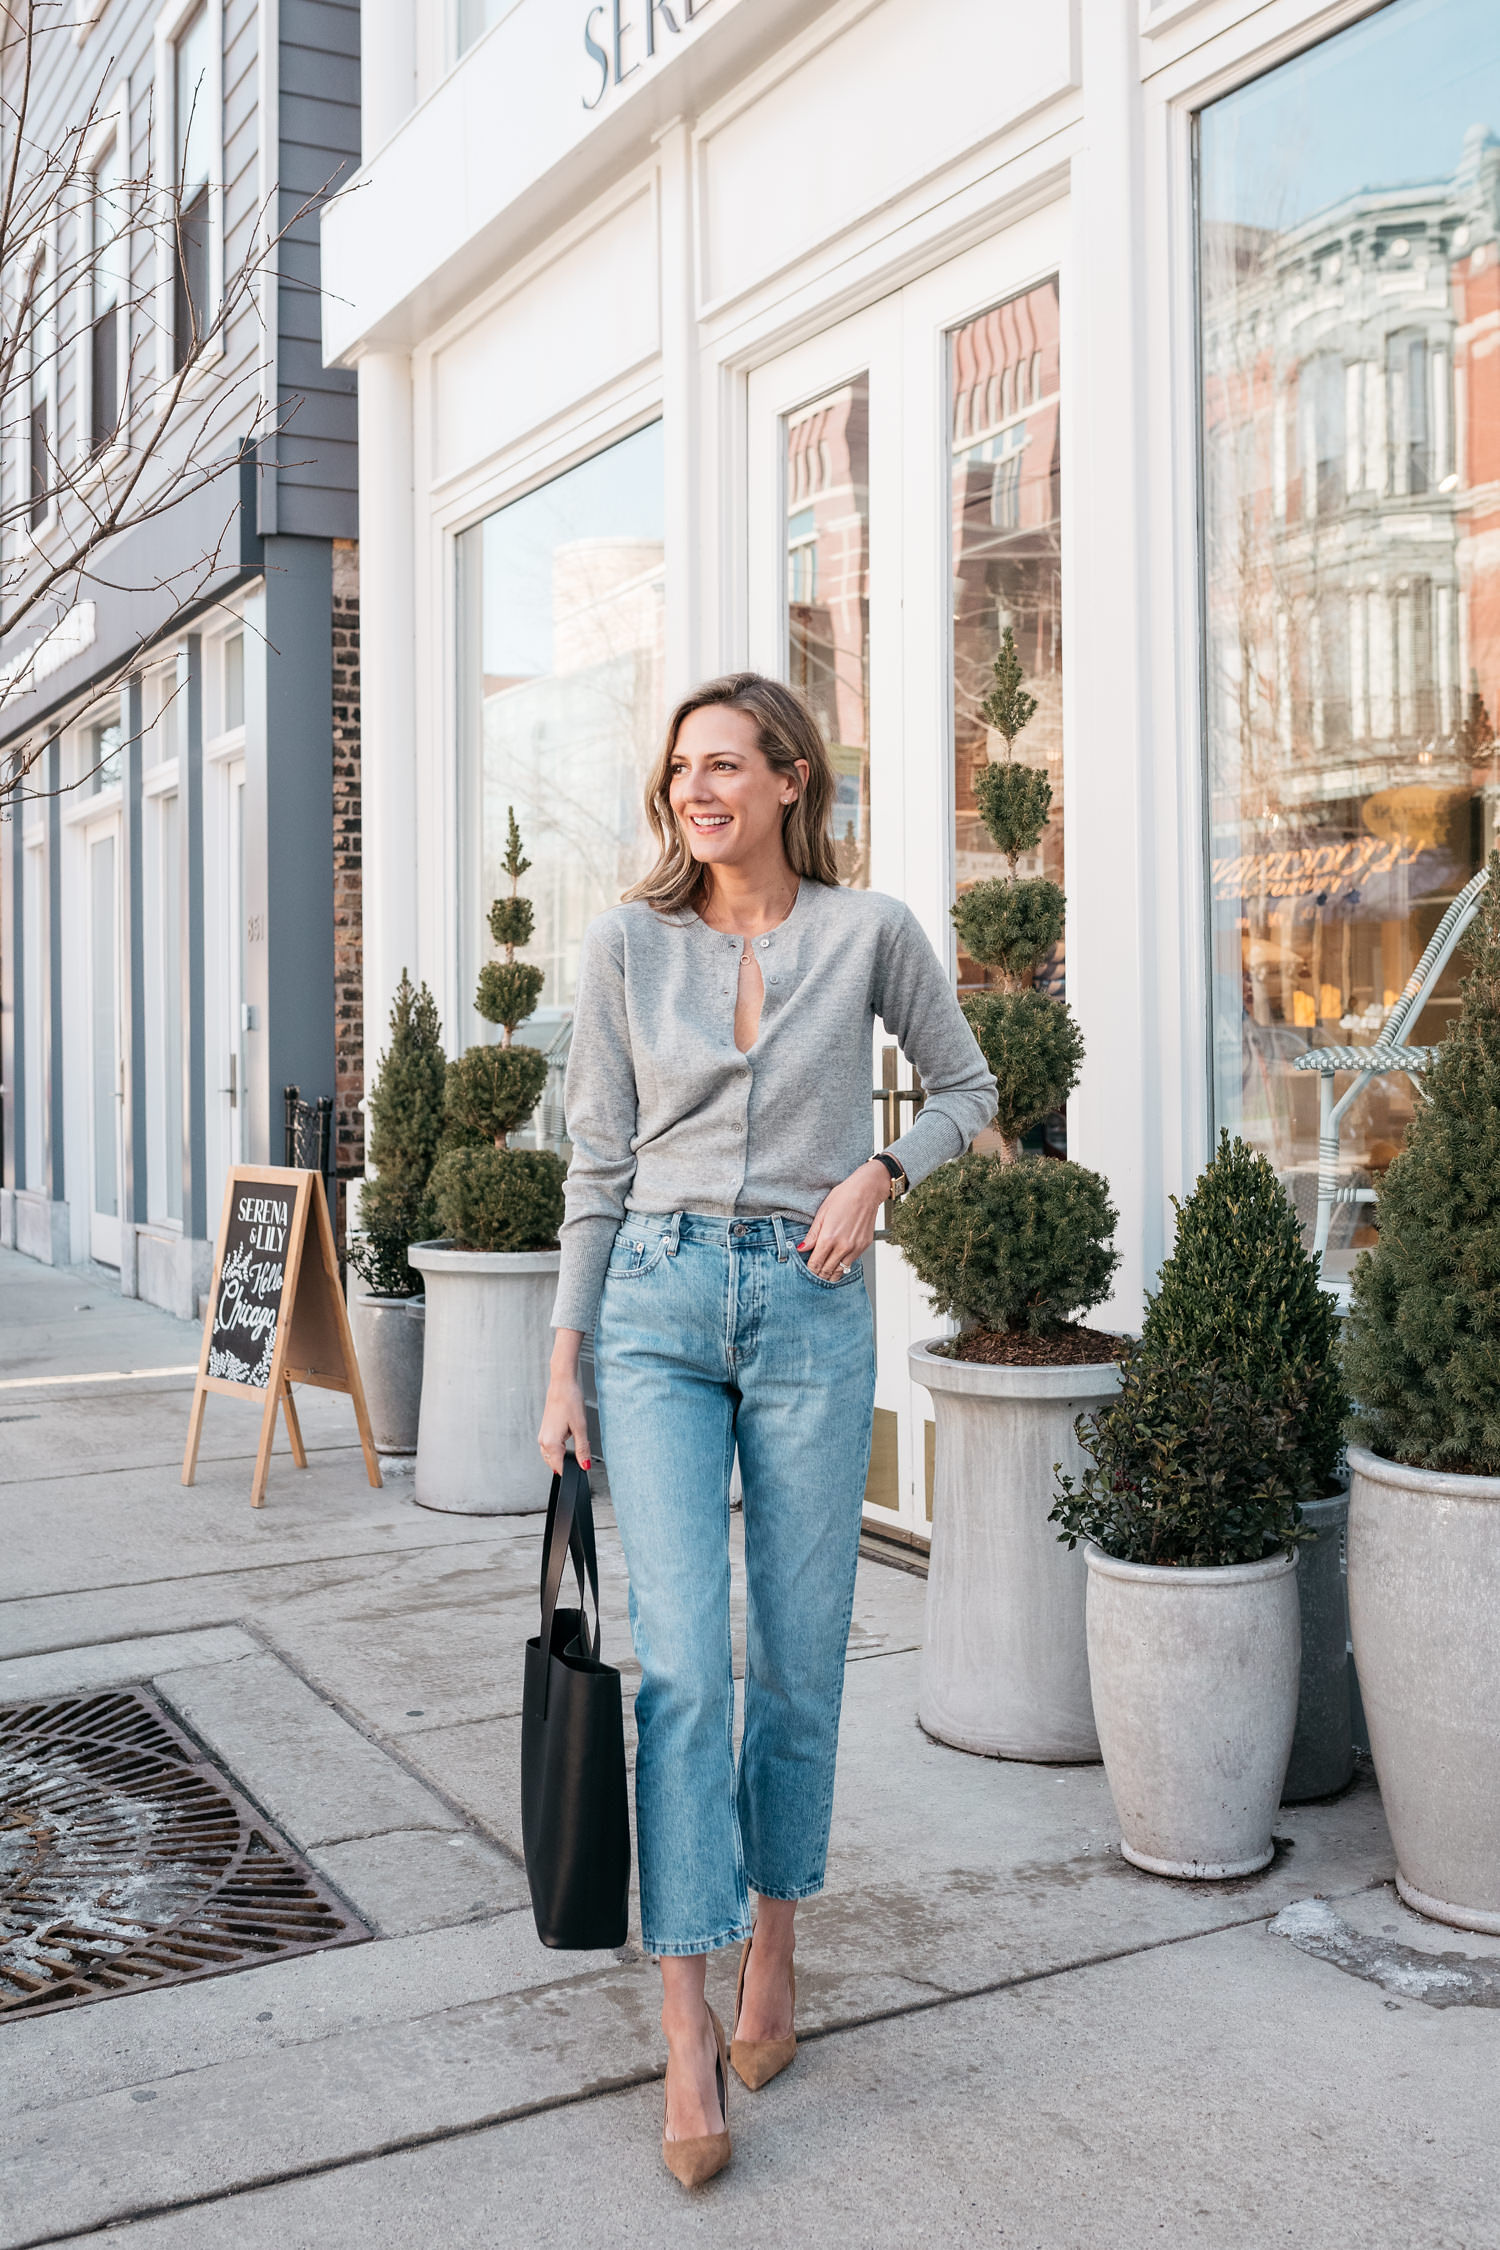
719 1199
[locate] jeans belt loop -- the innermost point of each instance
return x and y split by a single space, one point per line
673 1231
779 1224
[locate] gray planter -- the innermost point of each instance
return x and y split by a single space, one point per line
1424 1608
1195 1690
484 1378
1005 1658
388 1333
1322 1760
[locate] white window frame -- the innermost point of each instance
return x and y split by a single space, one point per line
42 375
220 741
161 780
36 989
172 21
76 760
111 132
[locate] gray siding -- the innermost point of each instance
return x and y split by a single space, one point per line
317 479
313 490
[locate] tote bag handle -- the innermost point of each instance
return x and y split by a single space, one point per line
570 1531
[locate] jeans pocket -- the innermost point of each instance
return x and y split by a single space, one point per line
635 1254
840 1281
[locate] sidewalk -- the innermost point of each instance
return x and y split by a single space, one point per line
1010 2035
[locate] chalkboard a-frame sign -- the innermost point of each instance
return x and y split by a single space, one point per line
276 1313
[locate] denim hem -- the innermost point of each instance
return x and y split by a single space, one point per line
691 1946
769 1890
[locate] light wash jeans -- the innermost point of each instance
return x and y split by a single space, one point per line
712 1332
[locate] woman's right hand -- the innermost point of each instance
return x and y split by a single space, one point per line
563 1416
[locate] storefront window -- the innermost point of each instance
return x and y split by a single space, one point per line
1350 262
1007 570
560 684
827 475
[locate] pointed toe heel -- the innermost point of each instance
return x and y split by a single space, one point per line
755 2062
696 2160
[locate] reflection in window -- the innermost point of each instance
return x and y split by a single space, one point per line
1351 439
828 598
560 656
234 682
99 756
190 177
108 279
1007 564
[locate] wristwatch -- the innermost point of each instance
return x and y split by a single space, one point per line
897 1171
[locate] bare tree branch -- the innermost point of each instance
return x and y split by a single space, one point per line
187 406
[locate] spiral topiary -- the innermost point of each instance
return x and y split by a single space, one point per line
1010 1242
489 1196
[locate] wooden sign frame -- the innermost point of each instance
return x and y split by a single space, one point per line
313 1340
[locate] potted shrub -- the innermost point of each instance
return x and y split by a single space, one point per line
1240 1291
1189 1521
1013 1246
492 1274
405 1118
1423 1361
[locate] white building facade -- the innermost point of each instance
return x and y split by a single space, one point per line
831 340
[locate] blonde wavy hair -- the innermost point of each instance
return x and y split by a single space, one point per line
785 730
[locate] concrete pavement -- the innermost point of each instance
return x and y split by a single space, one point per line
1009 2032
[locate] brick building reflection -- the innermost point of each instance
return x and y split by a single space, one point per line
1352 463
828 598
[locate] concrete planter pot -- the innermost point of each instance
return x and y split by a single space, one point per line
1424 1608
1322 1760
388 1334
484 1378
1005 1660
1195 1689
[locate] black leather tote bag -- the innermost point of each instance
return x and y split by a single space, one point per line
575 1824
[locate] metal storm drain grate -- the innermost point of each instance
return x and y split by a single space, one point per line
127 1860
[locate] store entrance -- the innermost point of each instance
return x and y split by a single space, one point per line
903 507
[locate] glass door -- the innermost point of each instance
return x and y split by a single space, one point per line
904 507
106 1063
825 511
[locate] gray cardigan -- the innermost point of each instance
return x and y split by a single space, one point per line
666 1114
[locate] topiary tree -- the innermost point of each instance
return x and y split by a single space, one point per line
1422 1348
1192 1465
1240 1292
1030 1042
406 1115
1016 1246
1013 1242
489 1196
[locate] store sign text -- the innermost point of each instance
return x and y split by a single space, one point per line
610 31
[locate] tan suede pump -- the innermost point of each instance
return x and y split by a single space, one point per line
696 2160
757 2061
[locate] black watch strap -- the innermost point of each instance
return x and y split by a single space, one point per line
896 1169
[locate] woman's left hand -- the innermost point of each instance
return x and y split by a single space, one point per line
844 1225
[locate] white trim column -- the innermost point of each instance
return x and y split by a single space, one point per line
1114 1118
388 700
684 540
